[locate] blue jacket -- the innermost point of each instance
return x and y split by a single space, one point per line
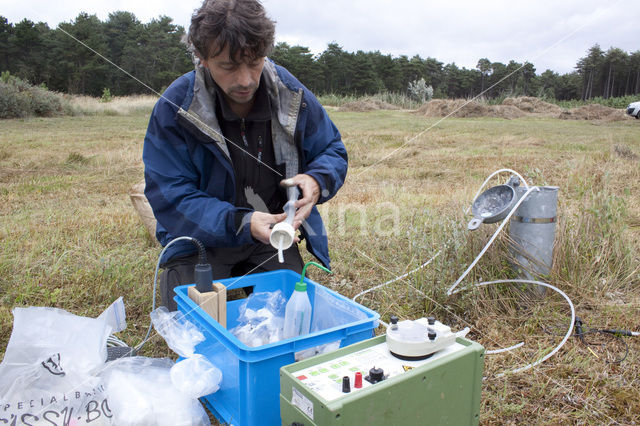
189 177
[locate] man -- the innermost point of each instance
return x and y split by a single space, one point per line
220 141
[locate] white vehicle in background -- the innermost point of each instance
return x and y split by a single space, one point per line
634 109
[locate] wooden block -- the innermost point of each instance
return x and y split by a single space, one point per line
213 302
207 301
221 290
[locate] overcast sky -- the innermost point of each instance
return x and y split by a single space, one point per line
551 34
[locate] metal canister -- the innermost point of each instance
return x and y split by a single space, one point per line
532 232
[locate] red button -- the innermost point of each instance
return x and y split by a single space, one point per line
303 377
358 383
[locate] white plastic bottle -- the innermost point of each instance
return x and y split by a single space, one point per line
297 314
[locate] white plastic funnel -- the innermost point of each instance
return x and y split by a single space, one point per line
282 232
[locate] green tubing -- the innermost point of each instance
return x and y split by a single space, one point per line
301 285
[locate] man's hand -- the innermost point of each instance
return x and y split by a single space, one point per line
261 224
310 195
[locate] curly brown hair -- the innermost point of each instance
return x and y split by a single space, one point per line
243 25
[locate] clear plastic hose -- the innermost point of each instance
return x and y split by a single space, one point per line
557 348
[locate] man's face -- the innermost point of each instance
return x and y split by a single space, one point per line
238 79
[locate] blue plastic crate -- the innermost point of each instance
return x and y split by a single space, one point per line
250 388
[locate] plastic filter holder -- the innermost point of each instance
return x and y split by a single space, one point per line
282 236
413 340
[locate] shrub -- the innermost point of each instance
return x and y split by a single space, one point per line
19 99
13 104
106 95
419 90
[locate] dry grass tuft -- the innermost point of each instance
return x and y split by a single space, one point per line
468 109
594 112
533 105
119 105
625 152
367 104
512 108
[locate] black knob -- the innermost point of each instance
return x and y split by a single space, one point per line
393 319
375 375
346 384
431 334
431 320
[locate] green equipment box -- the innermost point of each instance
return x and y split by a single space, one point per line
342 387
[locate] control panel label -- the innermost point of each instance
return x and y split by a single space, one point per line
302 402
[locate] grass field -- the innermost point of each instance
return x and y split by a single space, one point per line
70 238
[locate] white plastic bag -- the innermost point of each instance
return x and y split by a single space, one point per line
54 373
115 316
141 392
261 319
181 335
328 312
194 376
47 374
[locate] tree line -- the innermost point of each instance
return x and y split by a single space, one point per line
154 54
57 58
607 74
